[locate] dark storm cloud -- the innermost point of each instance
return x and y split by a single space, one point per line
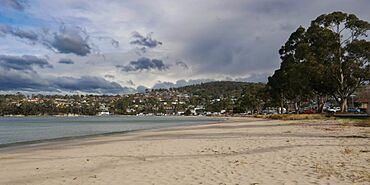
68 40
18 74
19 33
15 80
144 64
18 80
15 4
25 62
66 61
179 83
144 41
91 84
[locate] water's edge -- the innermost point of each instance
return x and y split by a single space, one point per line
35 143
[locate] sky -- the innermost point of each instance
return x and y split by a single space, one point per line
126 46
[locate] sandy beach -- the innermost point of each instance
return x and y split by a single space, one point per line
238 151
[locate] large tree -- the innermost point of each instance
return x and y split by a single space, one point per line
331 58
318 62
277 88
290 82
337 42
252 98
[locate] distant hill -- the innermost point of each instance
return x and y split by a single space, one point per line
218 88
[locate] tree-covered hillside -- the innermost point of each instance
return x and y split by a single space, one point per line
218 89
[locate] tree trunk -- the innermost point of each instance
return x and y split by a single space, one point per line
296 107
281 103
343 105
319 104
321 100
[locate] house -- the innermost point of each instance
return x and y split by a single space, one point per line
104 113
363 98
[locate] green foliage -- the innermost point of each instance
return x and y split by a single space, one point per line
329 59
290 82
187 112
253 99
218 89
336 43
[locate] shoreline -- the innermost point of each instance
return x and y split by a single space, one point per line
236 151
60 140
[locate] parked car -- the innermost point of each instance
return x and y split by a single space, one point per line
309 111
333 109
269 111
363 110
354 110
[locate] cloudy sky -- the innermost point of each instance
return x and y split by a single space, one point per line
123 46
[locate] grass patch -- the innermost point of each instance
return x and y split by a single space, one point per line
346 121
356 119
363 123
358 122
294 116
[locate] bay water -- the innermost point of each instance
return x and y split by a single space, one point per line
25 130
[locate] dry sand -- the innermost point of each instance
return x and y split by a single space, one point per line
240 151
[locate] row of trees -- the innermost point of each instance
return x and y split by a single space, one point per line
46 108
331 58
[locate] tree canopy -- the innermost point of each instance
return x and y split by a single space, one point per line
330 58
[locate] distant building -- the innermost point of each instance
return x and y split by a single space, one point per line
363 98
103 114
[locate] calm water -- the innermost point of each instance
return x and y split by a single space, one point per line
25 129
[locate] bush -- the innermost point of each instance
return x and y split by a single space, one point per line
293 116
364 123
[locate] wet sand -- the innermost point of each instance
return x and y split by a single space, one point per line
239 151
